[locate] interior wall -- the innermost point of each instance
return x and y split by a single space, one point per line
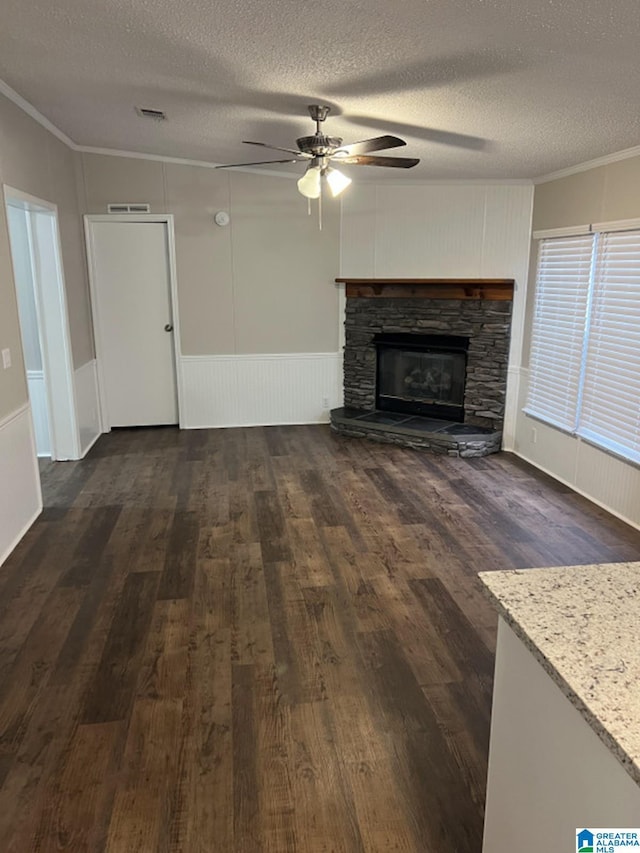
262 284
603 194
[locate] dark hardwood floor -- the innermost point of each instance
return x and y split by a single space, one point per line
266 639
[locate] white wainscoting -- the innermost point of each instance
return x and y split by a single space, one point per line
20 495
259 389
606 480
512 399
87 406
39 411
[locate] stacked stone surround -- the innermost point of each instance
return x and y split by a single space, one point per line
487 324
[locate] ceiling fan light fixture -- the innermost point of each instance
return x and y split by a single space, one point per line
309 183
319 149
338 182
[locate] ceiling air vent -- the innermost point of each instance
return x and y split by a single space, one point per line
128 208
147 112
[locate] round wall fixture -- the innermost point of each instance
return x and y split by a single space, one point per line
221 218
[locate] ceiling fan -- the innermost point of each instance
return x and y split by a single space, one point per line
320 151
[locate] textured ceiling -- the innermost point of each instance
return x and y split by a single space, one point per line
521 88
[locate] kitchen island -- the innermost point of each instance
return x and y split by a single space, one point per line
565 726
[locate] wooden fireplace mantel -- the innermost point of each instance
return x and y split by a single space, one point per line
430 288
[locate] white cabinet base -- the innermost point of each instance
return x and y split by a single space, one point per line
549 773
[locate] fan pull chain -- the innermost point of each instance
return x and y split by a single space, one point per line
308 207
320 209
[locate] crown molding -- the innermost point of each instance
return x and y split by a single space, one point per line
179 161
625 154
35 114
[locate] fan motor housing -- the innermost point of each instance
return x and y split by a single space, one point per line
319 144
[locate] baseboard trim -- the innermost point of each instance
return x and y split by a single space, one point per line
263 424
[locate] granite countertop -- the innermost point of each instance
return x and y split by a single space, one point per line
582 623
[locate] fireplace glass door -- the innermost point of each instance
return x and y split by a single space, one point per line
425 381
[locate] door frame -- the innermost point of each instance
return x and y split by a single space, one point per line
53 326
167 220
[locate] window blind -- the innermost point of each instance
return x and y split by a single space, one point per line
611 396
561 300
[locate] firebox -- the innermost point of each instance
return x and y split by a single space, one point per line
421 374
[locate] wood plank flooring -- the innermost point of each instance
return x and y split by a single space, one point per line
267 639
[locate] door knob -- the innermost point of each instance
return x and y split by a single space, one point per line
169 327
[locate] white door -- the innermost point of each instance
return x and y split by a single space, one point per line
133 318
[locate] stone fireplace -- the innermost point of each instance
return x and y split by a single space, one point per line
427 356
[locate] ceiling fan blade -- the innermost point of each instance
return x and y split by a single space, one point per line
379 143
256 163
394 162
300 154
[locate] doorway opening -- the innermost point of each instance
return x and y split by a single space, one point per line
44 327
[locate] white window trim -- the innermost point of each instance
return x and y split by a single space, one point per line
571 231
590 228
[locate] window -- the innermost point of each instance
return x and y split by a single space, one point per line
585 349
562 289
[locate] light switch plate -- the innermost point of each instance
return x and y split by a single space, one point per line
6 358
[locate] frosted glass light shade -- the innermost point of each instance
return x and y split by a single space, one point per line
337 181
309 183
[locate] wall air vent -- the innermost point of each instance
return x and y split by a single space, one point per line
148 112
128 208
